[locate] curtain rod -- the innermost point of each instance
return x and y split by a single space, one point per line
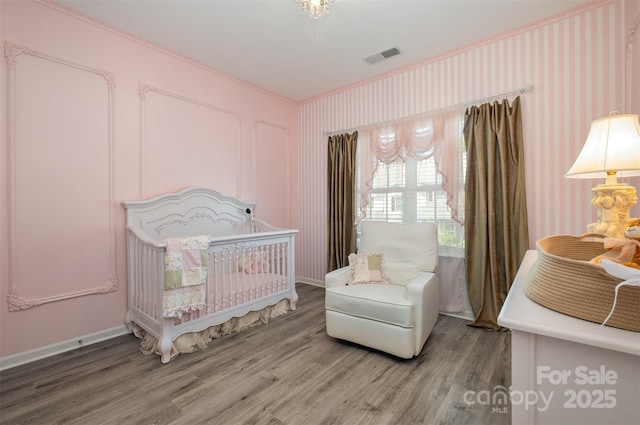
507 94
521 90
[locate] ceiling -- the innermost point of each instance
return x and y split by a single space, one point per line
272 45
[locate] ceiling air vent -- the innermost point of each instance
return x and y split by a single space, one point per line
386 54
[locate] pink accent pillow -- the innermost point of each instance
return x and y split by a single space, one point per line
366 268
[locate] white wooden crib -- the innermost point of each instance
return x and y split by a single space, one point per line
249 265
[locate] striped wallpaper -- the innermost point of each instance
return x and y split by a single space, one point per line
575 64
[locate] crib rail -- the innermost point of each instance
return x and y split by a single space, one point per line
146 280
246 272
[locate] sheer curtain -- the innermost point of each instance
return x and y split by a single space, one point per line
341 175
438 137
496 232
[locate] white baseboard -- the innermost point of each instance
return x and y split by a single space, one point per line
60 347
308 281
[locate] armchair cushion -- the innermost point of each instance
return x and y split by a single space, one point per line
409 249
380 302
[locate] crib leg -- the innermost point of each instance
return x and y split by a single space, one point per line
128 322
164 341
294 297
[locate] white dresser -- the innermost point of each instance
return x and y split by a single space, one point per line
566 370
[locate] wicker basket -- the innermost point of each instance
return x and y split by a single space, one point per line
564 280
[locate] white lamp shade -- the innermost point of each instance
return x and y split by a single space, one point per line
613 144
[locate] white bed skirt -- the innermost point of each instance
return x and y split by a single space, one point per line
190 342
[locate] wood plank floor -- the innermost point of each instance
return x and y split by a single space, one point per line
286 372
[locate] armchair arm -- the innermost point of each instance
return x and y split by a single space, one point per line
423 292
338 277
417 286
421 289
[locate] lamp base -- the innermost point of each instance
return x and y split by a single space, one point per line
612 201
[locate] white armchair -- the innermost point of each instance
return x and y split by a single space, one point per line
395 317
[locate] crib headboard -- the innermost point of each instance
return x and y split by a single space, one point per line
191 212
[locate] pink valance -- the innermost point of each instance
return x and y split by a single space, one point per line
438 135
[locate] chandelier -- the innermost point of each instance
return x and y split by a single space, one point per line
314 8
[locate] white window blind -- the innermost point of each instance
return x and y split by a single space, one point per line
410 191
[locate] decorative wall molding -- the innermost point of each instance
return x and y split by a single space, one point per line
285 129
12 52
143 91
271 124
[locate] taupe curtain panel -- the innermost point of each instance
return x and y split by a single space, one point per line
341 173
496 231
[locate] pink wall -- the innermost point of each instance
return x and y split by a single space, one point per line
96 117
576 65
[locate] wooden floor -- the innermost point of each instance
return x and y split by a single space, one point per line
286 372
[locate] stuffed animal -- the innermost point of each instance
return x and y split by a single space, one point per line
624 251
632 231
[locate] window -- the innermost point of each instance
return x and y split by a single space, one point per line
405 185
410 190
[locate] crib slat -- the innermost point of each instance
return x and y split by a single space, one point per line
239 275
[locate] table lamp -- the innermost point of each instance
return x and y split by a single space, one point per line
612 150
